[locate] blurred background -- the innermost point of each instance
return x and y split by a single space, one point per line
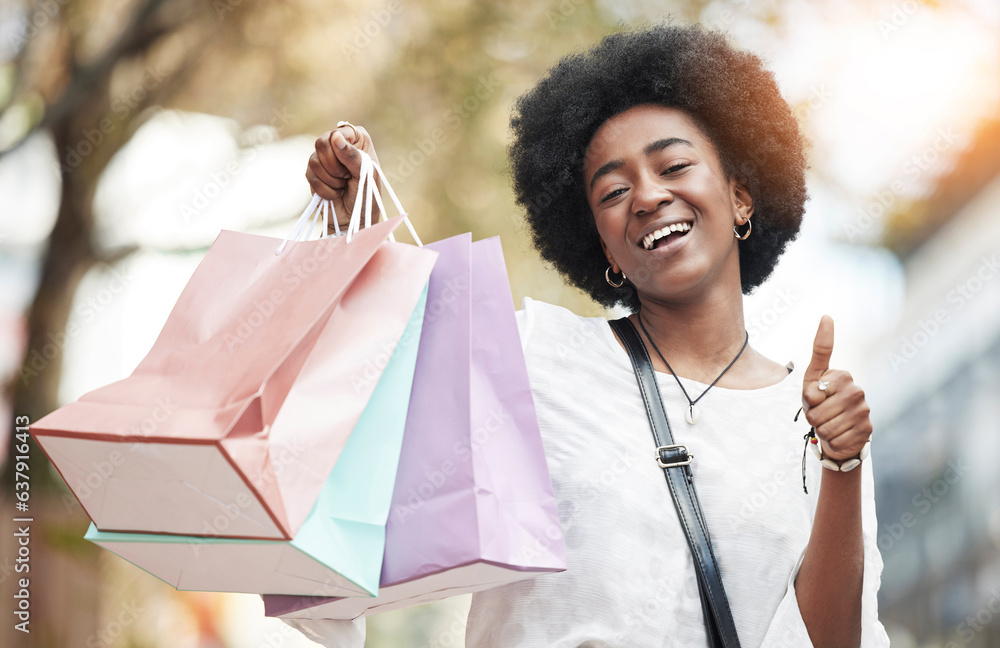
132 131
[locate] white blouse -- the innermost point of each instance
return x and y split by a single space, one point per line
631 578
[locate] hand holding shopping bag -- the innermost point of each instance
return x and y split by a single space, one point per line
473 506
335 167
290 447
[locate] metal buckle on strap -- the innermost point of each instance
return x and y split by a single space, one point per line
678 462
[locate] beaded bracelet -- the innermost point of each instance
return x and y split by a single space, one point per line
845 465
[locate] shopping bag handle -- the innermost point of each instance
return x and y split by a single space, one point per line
366 183
318 207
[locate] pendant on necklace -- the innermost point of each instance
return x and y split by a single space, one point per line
691 416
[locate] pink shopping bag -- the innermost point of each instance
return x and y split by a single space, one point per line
189 436
473 506
339 548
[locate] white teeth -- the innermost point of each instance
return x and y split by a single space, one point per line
649 239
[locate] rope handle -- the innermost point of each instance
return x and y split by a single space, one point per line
320 207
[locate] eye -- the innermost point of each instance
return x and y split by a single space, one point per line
612 194
674 168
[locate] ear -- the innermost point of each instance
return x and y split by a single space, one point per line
607 255
742 201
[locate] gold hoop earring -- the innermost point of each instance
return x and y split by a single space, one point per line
607 277
736 232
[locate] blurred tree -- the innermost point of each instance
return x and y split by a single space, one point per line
86 74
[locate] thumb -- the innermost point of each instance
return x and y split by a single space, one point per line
822 350
347 154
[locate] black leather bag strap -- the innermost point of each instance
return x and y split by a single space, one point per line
675 461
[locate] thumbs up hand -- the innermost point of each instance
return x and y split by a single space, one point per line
839 413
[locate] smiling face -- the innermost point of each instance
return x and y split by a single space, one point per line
663 206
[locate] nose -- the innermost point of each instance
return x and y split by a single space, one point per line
648 194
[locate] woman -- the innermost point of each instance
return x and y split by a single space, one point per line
663 171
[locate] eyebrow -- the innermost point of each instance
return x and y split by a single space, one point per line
655 147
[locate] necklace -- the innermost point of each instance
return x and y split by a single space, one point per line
691 416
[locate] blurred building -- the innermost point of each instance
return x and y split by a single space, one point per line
936 405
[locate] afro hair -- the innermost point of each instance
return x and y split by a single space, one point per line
729 94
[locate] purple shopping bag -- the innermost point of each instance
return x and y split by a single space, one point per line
473 506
